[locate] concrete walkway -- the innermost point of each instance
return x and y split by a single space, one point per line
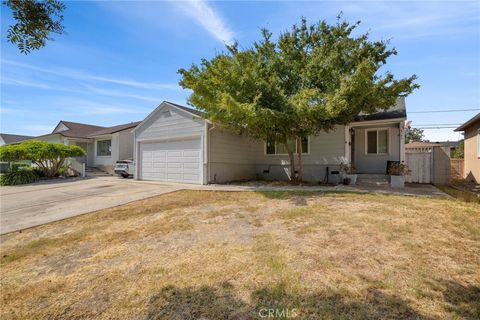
410 189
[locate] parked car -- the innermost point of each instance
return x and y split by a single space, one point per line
125 168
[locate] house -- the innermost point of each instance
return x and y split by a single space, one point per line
471 130
103 145
175 143
12 138
9 139
110 145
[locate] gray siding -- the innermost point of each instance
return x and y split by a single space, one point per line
233 157
372 163
230 157
326 150
172 125
125 144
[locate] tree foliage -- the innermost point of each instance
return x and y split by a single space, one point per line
414 134
459 152
49 157
306 81
35 22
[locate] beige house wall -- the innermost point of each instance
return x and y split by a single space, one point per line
472 160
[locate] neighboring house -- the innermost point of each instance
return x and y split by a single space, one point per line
471 130
174 143
110 145
103 145
9 139
12 138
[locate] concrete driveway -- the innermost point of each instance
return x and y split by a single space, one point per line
31 205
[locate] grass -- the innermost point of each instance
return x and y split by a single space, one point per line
460 194
230 255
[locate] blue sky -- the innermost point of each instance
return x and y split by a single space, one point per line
119 60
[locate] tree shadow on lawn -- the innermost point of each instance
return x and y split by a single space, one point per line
463 300
221 302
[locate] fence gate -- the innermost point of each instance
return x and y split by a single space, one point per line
420 164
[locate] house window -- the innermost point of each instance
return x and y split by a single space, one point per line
377 141
279 148
104 148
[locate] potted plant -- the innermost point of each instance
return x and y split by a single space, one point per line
397 172
349 173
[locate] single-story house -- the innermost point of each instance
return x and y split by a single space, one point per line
103 145
175 143
471 130
6 138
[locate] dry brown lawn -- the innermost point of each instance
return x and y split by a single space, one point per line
229 255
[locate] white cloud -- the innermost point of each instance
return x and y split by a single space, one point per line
37 128
24 83
207 17
83 76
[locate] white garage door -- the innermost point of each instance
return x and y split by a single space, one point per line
178 161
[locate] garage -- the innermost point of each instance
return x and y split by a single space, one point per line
173 160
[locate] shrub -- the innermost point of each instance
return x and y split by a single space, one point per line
49 157
348 168
20 176
398 169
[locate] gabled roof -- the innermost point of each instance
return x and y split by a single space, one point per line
397 111
191 111
468 123
13 138
115 129
77 130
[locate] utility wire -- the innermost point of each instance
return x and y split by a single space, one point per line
437 111
438 124
425 128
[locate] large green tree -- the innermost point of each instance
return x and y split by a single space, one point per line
35 21
306 81
49 157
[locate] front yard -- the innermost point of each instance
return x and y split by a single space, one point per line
245 255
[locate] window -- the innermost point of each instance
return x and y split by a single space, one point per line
104 148
278 148
377 141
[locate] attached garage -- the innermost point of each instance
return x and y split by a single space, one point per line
170 144
176 160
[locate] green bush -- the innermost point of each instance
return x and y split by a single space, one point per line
49 157
15 177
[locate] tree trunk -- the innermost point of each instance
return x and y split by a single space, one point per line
300 162
292 162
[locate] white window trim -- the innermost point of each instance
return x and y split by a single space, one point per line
388 142
96 148
284 154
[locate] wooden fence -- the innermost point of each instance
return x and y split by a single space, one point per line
457 169
420 165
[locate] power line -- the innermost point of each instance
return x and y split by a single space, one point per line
438 124
425 128
438 111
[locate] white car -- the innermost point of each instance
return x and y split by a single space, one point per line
124 168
